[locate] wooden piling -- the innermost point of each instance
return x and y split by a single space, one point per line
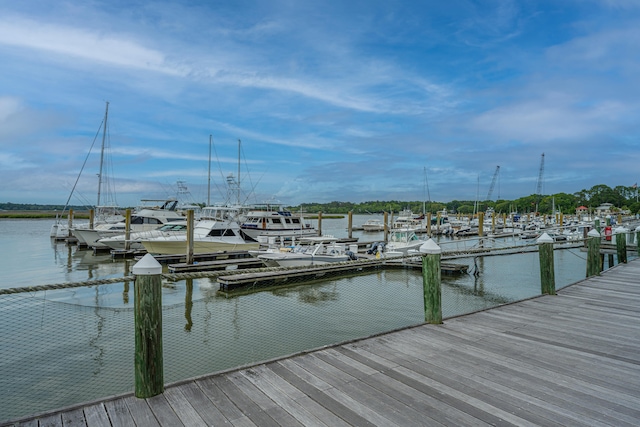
429 224
431 277
638 240
70 223
547 276
480 224
190 228
149 369
320 223
621 244
350 225
127 229
594 266
92 215
386 227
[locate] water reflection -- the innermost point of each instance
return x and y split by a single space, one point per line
188 304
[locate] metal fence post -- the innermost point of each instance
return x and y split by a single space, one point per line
431 272
149 369
547 276
593 253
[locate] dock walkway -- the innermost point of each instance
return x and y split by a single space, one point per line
570 359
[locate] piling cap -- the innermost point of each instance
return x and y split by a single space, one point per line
545 238
638 228
593 233
147 266
430 247
620 230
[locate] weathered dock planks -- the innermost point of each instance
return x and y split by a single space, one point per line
568 359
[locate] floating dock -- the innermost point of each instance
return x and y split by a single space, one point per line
295 275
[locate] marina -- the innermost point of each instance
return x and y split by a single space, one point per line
536 362
82 323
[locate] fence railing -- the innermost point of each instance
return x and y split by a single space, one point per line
55 352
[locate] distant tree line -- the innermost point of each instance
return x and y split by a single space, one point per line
622 198
35 207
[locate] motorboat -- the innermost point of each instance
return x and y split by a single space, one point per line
407 219
119 242
403 240
373 225
309 251
269 222
145 219
216 231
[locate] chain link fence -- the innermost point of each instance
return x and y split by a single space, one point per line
67 345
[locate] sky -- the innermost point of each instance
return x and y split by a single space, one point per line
317 101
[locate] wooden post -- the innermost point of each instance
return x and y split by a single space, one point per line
438 219
493 222
620 235
386 228
149 369
547 277
70 223
350 225
320 223
596 223
431 277
638 240
429 224
127 229
91 217
190 226
593 254
480 224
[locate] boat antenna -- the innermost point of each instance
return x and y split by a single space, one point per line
104 135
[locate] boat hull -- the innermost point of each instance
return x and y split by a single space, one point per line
168 247
299 260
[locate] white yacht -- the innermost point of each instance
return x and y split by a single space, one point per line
270 222
217 231
145 219
174 228
373 225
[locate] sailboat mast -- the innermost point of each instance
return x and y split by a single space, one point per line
209 179
104 136
239 142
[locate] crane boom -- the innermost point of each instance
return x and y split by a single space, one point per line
540 175
493 182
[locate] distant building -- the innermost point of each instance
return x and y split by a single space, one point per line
604 210
582 210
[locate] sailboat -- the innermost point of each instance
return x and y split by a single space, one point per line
60 230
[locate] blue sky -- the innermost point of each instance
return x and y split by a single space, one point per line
332 100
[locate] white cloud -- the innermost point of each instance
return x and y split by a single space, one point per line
113 49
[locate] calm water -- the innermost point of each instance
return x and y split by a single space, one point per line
63 347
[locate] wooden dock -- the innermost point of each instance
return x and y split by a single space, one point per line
569 359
